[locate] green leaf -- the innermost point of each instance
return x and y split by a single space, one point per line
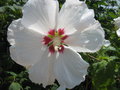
103 74
11 73
55 86
15 86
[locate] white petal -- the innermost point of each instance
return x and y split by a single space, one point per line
26 44
118 32
62 88
40 15
106 43
118 2
75 15
42 72
117 22
90 40
70 68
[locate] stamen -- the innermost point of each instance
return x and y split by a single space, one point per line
56 41
56 48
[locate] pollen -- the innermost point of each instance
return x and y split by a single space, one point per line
55 40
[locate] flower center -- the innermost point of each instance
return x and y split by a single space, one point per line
55 40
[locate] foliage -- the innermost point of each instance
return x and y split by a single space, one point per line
104 70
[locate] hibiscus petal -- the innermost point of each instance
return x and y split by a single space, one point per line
90 40
61 88
70 69
75 15
117 22
40 15
26 44
42 72
118 32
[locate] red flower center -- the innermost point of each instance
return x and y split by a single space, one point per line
55 40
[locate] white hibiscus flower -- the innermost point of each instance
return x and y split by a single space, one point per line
47 41
117 23
107 43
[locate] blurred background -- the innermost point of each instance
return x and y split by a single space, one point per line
104 70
